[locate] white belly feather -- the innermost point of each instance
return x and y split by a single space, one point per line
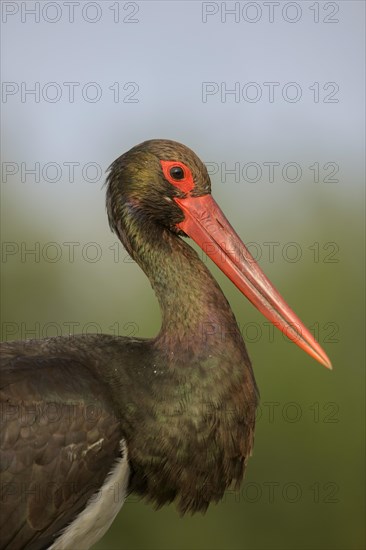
101 509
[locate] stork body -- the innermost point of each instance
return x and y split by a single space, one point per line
88 419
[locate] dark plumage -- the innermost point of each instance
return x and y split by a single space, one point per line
184 402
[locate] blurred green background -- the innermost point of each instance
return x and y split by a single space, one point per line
304 486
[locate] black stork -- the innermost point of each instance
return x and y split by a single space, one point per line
88 419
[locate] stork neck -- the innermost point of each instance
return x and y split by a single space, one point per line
195 313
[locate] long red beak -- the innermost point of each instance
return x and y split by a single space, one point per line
206 224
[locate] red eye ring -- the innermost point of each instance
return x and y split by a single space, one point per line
184 183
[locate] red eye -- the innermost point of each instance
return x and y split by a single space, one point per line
178 174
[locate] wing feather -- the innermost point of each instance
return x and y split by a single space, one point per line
59 440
